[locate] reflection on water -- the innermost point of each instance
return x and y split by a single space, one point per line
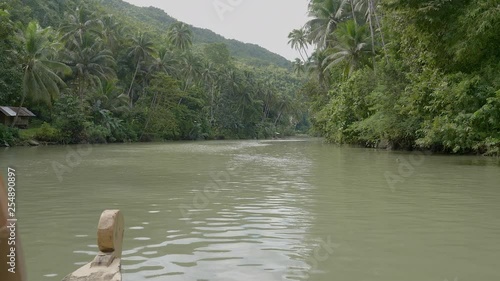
268 210
250 226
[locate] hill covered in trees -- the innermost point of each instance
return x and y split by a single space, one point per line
158 21
106 71
403 73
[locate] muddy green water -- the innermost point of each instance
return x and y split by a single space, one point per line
261 210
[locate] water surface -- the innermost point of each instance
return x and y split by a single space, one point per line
261 210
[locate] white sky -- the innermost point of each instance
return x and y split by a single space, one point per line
263 22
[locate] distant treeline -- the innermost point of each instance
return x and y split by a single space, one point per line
92 73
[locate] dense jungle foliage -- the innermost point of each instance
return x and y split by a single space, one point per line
401 74
107 71
408 74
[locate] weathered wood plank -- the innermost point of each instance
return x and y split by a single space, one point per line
106 265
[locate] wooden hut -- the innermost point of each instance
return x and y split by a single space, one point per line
8 115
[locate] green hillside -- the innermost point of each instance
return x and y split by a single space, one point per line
158 21
106 71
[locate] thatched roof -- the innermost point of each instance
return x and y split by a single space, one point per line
11 111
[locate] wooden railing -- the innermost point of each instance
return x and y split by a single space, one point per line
106 265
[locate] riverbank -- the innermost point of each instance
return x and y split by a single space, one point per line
383 146
46 135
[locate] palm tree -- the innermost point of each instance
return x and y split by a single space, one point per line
243 87
109 97
316 66
79 24
111 32
190 68
326 16
233 81
209 79
351 49
298 67
164 60
142 48
352 8
298 41
268 98
285 105
370 10
91 64
180 35
208 73
41 81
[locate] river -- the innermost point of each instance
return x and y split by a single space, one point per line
261 210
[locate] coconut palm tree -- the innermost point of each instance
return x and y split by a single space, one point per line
78 25
268 98
108 98
164 60
190 68
298 41
298 67
285 106
91 64
326 16
351 48
233 81
180 35
141 49
316 67
369 8
112 32
208 73
209 77
41 81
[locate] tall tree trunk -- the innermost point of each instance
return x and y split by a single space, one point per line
265 113
154 104
352 12
132 83
279 115
372 34
212 90
18 110
82 84
305 52
300 53
188 81
372 7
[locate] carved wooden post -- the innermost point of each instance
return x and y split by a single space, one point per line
107 264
